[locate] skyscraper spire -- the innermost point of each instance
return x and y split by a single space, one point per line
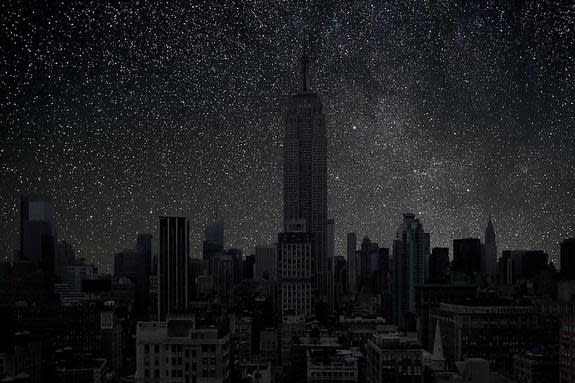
489 262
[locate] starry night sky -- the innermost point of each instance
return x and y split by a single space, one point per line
453 110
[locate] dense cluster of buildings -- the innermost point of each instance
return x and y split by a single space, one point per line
293 311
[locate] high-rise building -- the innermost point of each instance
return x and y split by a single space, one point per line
523 264
568 258
467 255
294 263
144 247
305 176
236 256
331 260
214 231
64 257
213 243
369 257
409 263
438 264
339 279
248 266
37 231
489 261
223 277
265 263
351 263
173 266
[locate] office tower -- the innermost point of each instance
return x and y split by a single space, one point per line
523 264
236 256
567 258
410 253
64 257
467 255
339 278
295 273
489 261
369 263
382 272
37 231
214 231
132 264
198 268
351 263
182 349
213 243
248 266
305 175
223 277
266 263
70 289
438 264
173 266
144 247
331 260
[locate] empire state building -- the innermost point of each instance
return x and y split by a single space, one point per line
305 177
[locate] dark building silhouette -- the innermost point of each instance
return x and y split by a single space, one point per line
489 255
213 244
305 176
409 263
198 267
144 247
65 257
568 258
369 258
438 264
340 278
132 264
37 231
523 264
173 266
467 255
236 257
248 266
351 263
382 280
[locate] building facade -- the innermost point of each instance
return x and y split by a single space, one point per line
179 350
305 176
295 273
351 263
173 266
409 263
393 358
266 263
494 333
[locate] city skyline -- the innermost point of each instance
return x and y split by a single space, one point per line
278 192
445 138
